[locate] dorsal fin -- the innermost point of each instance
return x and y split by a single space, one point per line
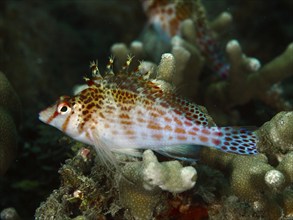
136 83
109 67
125 67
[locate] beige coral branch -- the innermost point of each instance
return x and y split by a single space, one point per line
259 179
245 84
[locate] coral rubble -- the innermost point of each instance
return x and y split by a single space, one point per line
81 191
137 191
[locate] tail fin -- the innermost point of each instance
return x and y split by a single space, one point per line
238 141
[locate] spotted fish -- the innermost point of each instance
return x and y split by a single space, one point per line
166 16
125 111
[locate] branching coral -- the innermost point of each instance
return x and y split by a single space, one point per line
133 195
257 179
246 79
252 178
276 135
150 177
9 117
170 176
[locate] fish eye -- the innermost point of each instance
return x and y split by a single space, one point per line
63 108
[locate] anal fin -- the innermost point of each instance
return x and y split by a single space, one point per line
181 152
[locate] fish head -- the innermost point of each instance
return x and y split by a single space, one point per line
63 115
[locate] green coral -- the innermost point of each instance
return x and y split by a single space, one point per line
259 179
134 196
276 135
149 178
9 117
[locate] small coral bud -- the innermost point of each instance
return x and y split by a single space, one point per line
254 64
166 68
258 206
234 53
77 194
182 56
136 48
187 30
233 47
221 22
226 16
176 41
274 179
120 50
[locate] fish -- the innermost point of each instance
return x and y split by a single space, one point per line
126 112
167 16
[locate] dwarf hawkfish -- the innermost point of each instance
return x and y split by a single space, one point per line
125 112
166 16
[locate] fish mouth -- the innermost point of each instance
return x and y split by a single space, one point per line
47 115
43 116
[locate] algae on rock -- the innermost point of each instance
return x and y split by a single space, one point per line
9 118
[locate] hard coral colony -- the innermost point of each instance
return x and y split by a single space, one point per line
137 108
